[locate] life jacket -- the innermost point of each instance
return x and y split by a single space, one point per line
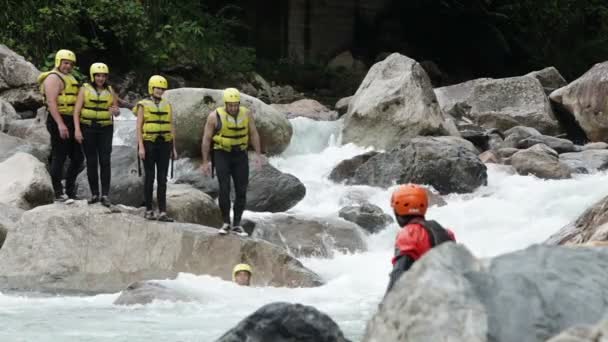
437 234
418 236
233 132
68 96
157 120
97 105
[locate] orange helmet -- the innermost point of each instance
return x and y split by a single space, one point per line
410 199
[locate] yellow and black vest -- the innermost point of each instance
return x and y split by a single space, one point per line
157 120
67 98
96 107
233 132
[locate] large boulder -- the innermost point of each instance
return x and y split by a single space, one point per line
145 292
342 105
32 130
90 249
346 168
305 236
9 216
528 295
188 172
591 225
585 99
188 204
584 333
10 145
272 190
24 182
447 164
549 78
307 108
588 161
500 103
395 101
285 322
558 144
126 186
515 135
7 115
540 161
368 216
18 80
191 106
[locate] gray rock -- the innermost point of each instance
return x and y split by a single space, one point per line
285 322
542 285
126 187
518 133
7 115
188 204
549 78
145 292
591 225
395 101
346 168
558 144
595 146
588 161
584 333
585 99
540 161
342 105
24 182
368 216
90 249
305 236
500 103
307 108
271 190
31 130
446 165
10 145
18 80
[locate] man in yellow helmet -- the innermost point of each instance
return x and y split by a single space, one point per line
229 129
241 274
60 90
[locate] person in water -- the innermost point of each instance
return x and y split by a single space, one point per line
417 235
241 274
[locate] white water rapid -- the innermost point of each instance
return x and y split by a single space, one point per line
510 213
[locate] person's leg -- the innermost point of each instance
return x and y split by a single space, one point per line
150 171
58 156
76 160
162 166
90 150
104 149
240 177
222 171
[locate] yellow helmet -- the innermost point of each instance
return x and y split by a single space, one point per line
232 95
64 54
241 267
98 68
157 81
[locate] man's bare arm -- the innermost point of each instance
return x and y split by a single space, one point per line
208 135
53 86
253 134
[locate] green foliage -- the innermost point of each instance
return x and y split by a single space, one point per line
126 34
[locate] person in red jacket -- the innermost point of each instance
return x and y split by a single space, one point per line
418 235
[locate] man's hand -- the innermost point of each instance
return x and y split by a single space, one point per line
206 168
63 131
258 161
115 110
142 152
78 136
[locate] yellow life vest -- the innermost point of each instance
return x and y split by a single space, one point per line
157 120
233 132
67 98
96 106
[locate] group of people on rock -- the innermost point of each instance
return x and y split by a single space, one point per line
81 119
